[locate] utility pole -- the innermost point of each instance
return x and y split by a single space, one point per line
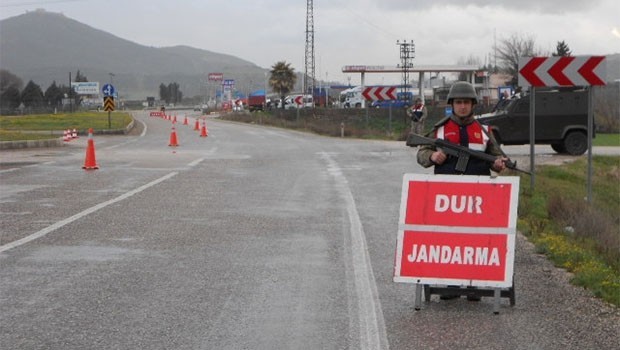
70 95
407 54
308 83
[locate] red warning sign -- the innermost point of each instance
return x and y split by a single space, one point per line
468 256
562 71
457 230
470 204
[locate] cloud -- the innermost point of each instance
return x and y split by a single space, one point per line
615 32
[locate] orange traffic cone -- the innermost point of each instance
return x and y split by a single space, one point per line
90 162
174 120
74 134
66 136
185 121
204 132
197 125
173 138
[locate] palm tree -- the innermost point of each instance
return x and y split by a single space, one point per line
282 79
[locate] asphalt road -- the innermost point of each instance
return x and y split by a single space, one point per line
250 238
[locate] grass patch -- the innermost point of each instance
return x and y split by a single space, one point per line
606 140
18 126
20 136
582 237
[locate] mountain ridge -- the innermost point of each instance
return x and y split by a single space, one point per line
45 46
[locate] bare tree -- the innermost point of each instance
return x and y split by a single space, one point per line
607 108
509 51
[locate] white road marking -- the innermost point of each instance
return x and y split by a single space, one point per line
79 215
373 335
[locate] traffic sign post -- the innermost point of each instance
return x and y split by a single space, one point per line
299 100
562 71
108 103
108 106
379 93
108 90
457 230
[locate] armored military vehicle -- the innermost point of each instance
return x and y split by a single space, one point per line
561 120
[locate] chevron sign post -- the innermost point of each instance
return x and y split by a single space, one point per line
379 93
562 71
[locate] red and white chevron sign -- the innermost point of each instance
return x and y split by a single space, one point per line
562 71
379 93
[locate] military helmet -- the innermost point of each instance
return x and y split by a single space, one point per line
462 89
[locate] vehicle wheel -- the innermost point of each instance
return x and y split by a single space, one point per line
558 147
358 105
576 143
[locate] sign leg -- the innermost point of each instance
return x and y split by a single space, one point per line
418 296
496 298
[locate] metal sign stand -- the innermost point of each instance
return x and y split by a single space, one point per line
590 136
532 136
496 293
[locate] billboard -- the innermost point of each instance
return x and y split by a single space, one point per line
86 87
216 76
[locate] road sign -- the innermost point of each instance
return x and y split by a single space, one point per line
108 103
86 87
379 93
108 90
457 230
562 71
299 100
216 76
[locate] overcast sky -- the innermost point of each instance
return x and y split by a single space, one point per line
347 32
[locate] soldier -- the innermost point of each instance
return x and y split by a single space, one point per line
462 128
418 115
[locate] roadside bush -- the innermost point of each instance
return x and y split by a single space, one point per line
593 227
575 234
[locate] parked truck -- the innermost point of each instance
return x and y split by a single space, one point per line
352 98
257 101
561 120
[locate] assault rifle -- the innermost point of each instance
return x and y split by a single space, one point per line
461 153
